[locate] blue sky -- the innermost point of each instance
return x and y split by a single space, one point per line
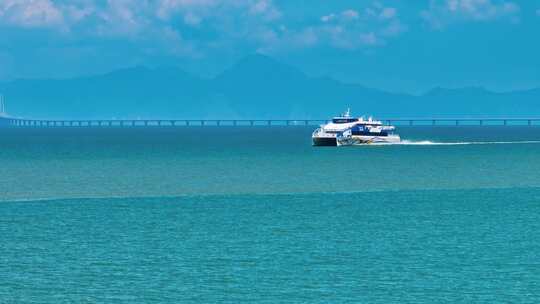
408 46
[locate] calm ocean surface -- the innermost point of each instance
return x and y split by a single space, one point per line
230 215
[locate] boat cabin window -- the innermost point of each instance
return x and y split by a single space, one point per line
343 120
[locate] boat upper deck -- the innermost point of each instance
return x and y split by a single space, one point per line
359 121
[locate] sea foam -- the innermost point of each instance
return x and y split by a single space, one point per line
433 143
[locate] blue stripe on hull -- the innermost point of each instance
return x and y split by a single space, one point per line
364 133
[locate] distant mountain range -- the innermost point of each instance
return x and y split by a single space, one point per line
256 87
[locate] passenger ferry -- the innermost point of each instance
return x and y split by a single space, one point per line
346 130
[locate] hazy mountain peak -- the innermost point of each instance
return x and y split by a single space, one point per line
437 91
255 87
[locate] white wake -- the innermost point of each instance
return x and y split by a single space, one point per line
432 143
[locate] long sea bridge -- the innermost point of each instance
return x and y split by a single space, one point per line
6 121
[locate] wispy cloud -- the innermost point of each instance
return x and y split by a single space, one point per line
190 10
346 15
193 27
121 18
352 28
30 13
444 12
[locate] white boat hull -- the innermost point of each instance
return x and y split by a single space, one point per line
345 131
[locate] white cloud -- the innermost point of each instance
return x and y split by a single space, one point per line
266 9
441 13
160 26
538 12
351 29
168 8
77 14
30 13
122 18
229 22
346 15
217 9
328 18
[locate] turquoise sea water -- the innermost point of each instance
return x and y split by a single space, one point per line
229 215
